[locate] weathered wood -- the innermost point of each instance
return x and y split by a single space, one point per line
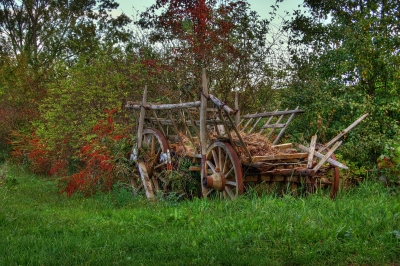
148 106
276 113
141 119
194 125
344 132
327 155
147 184
254 125
284 128
276 123
291 172
274 126
240 138
282 146
175 127
311 151
203 129
158 122
267 123
185 125
280 157
221 104
237 115
320 155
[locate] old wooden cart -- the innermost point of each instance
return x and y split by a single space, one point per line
215 135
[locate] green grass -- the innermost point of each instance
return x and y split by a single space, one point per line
40 227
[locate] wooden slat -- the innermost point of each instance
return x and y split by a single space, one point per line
267 123
280 157
141 119
327 155
320 155
311 151
276 123
274 126
133 105
221 104
276 113
282 146
355 123
284 128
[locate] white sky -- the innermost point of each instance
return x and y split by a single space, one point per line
263 7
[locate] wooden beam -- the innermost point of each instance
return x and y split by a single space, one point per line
320 155
311 151
276 113
132 105
221 104
141 119
341 134
327 155
280 157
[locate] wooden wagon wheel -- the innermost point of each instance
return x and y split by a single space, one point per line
153 158
223 170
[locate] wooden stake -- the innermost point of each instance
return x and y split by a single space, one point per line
311 152
141 119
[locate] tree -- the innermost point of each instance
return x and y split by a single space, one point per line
46 30
345 66
225 37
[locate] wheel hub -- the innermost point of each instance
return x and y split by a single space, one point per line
215 181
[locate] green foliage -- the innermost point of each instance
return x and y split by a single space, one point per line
389 161
352 69
77 100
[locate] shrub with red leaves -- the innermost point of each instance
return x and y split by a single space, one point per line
104 159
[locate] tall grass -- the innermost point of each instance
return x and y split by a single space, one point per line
40 227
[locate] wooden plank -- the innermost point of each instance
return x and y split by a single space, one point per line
141 119
133 105
203 129
311 151
147 184
327 155
276 123
320 155
341 134
276 113
158 122
240 138
237 115
267 123
221 104
274 126
254 126
282 146
280 157
194 125
283 129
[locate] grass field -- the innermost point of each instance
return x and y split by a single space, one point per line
38 226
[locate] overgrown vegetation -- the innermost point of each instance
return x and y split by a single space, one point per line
63 66
39 226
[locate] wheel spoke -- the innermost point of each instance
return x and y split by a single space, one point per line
231 183
220 158
225 163
215 156
210 164
228 190
229 172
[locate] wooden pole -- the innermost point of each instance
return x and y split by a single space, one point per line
355 123
237 115
203 129
141 119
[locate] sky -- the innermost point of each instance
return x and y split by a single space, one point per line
263 7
